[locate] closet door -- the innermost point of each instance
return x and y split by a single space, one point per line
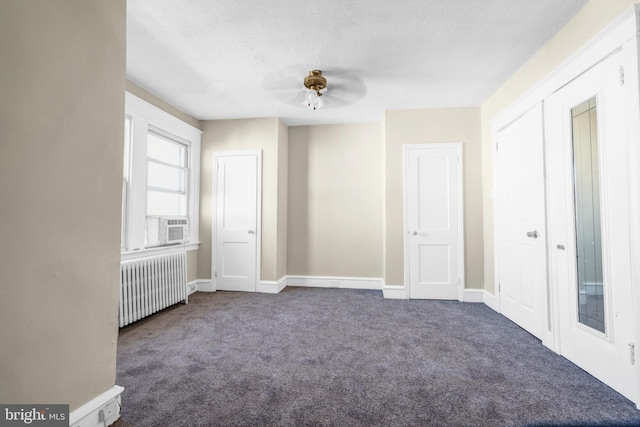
522 266
589 219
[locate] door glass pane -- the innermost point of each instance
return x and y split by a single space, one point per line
587 210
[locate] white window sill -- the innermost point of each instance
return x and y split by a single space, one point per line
159 251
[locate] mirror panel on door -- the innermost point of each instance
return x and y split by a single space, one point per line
591 305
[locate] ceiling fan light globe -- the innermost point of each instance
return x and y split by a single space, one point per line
311 97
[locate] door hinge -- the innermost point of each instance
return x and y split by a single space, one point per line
496 147
632 353
215 274
621 75
499 286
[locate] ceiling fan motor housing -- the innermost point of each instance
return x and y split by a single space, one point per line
315 81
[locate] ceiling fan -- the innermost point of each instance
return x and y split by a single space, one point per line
316 86
329 88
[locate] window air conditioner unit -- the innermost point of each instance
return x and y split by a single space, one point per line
162 230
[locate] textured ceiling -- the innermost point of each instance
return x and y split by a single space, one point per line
241 59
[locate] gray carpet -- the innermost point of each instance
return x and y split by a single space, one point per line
336 357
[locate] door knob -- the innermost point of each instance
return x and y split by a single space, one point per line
252 232
533 234
560 247
415 233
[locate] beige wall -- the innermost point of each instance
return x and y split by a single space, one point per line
192 256
283 199
433 126
238 135
62 86
335 200
592 18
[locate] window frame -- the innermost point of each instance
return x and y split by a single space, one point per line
146 118
126 178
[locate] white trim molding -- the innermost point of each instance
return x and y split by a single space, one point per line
395 292
192 287
204 285
473 295
159 250
88 415
336 282
491 301
272 286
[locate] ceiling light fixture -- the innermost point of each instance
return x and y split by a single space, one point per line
316 86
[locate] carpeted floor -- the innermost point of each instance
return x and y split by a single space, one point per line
336 357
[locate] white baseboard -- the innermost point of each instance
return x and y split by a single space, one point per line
490 300
272 286
88 415
395 292
473 295
389 291
205 285
192 287
335 282
469 295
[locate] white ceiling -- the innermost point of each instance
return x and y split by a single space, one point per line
227 59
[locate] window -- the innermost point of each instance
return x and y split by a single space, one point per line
167 176
161 173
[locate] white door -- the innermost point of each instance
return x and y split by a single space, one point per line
433 222
236 221
589 224
522 266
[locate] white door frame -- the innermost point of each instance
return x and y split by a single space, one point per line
633 134
214 218
460 204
